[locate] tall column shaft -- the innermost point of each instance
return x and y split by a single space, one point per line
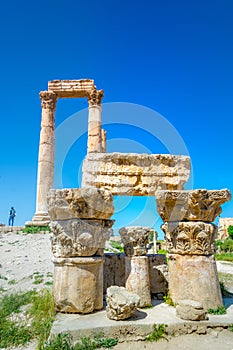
95 129
94 143
45 173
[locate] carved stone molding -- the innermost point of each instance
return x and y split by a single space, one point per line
84 203
76 237
135 239
48 100
195 205
95 97
190 238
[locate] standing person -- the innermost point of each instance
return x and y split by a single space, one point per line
12 214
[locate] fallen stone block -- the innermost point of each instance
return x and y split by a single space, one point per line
121 304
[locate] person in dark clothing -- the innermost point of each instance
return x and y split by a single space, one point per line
12 215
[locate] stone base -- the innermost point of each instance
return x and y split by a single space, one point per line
194 277
137 278
39 219
78 284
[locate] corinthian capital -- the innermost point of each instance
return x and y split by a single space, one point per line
95 97
48 99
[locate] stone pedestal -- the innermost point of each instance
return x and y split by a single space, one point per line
80 228
137 274
78 284
194 277
137 278
190 238
45 173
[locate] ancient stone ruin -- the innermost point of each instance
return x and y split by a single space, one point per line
80 220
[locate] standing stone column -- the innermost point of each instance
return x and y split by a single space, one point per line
137 275
190 238
95 121
80 227
45 173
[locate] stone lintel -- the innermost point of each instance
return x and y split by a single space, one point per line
72 88
135 174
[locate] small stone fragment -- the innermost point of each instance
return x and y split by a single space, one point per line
121 304
190 310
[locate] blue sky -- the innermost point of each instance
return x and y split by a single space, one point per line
174 57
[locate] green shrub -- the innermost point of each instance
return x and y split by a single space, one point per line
227 245
117 245
168 300
230 231
224 257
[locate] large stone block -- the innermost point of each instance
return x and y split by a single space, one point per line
135 174
83 203
78 284
78 237
194 205
194 277
71 88
192 238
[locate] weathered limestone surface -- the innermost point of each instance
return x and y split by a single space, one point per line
78 237
72 88
134 239
135 174
194 277
114 272
158 272
137 278
78 284
189 238
194 205
121 304
45 173
190 310
84 203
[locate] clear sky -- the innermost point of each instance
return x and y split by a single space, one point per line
173 57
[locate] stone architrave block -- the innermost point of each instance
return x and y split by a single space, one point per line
194 205
191 310
134 239
121 304
190 238
71 88
135 174
83 203
78 284
78 237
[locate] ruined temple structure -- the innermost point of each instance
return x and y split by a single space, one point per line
81 223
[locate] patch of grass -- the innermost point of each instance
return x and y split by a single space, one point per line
157 333
117 245
48 283
168 300
36 324
49 274
224 257
36 229
148 307
64 341
230 327
3 278
12 282
220 310
38 278
42 312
